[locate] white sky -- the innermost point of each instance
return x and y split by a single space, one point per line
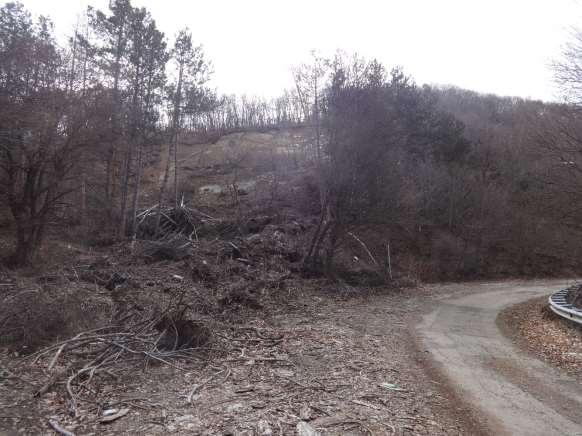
499 46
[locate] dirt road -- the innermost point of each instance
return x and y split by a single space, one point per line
514 393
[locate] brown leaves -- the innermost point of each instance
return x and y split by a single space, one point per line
546 334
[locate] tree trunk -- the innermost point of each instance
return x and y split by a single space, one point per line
332 243
163 188
122 230
29 235
172 151
176 129
136 192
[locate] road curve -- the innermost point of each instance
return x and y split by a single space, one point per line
515 393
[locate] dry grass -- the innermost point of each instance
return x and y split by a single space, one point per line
34 314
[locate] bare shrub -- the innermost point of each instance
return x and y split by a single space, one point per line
31 318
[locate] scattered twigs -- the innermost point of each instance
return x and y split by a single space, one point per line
388 260
60 350
260 333
196 388
261 336
353 422
5 373
181 220
106 351
363 403
365 247
54 378
250 359
60 430
82 336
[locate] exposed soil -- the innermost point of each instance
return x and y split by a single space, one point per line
535 328
343 367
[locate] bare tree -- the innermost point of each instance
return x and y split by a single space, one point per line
568 70
557 132
309 82
41 127
184 94
131 55
149 79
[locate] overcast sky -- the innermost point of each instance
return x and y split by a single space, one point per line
499 46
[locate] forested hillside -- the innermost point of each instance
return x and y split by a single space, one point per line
460 184
153 217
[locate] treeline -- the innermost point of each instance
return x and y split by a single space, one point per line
231 113
450 182
81 122
519 209
458 183
81 118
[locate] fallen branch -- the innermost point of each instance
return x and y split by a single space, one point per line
56 427
97 352
365 247
197 387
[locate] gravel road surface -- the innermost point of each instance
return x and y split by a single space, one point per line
514 393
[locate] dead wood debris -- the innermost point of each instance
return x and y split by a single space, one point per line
106 352
60 430
250 375
160 222
260 377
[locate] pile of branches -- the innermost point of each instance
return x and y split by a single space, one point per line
159 222
133 341
173 246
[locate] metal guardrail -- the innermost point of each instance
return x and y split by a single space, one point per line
559 305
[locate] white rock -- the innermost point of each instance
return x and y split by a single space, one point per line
263 428
110 412
304 429
305 413
236 407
